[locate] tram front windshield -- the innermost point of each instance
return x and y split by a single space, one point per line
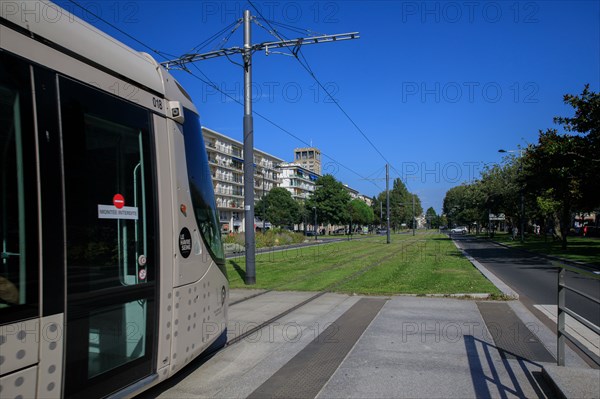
203 199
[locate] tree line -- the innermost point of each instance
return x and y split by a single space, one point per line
332 204
553 179
401 208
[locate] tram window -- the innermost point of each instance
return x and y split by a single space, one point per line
18 215
113 343
107 184
203 199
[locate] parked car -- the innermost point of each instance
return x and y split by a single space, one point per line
459 230
310 233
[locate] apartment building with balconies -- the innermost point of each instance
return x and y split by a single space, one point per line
299 181
226 161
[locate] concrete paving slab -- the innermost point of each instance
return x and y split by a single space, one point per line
430 348
573 382
264 307
307 372
415 347
237 371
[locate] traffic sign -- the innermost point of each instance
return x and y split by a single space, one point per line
499 216
118 201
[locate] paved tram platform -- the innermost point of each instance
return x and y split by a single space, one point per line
334 346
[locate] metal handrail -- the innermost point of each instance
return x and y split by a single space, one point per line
563 311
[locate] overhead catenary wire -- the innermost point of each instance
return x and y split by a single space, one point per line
210 83
226 38
308 69
206 42
161 53
292 28
306 65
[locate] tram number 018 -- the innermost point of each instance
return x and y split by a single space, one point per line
157 103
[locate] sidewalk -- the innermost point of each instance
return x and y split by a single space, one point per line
576 379
357 347
434 348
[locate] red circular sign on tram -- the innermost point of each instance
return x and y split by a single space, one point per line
118 201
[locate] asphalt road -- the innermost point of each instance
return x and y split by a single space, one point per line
533 277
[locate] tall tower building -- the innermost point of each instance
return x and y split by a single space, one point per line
309 158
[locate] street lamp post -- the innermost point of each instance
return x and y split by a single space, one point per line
413 216
522 212
315 228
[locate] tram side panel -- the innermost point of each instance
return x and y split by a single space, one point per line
191 303
199 287
163 148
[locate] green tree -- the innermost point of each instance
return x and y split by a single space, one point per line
561 170
279 208
401 211
555 178
500 188
331 201
399 197
433 220
378 206
360 212
418 208
464 205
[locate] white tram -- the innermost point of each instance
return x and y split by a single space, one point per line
112 272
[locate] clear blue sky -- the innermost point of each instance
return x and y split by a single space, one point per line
438 87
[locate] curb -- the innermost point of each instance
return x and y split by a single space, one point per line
554 386
568 382
505 289
453 296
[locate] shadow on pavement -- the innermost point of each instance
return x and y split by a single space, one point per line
486 374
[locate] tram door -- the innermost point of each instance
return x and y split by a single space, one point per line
110 235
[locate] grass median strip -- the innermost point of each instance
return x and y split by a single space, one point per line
428 263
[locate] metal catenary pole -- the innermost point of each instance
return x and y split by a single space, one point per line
387 199
248 124
248 156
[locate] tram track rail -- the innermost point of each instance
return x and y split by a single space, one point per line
303 277
330 288
217 348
